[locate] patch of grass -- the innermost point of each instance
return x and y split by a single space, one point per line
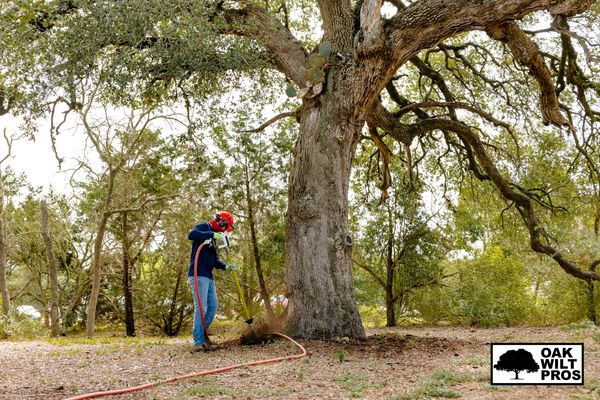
409 343
73 341
65 352
271 392
354 384
477 360
436 385
340 355
204 389
82 340
584 396
445 377
440 391
579 326
590 391
592 384
493 388
480 377
508 337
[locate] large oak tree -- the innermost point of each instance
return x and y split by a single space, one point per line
185 45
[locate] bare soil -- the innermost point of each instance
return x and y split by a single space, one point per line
394 363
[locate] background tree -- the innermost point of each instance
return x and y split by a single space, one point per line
3 231
52 271
398 244
256 186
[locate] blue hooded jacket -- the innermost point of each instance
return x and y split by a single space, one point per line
208 258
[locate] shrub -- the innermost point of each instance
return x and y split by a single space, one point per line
17 325
493 289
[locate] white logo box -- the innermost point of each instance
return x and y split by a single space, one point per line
536 363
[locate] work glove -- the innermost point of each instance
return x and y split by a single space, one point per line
217 236
231 268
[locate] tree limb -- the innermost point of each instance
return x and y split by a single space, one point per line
528 54
522 202
273 120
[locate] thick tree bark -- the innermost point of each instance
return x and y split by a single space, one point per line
318 242
52 272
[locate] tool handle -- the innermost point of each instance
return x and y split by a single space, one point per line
241 294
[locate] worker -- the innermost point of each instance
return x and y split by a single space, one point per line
207 261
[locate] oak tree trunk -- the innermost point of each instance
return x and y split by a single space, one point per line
318 242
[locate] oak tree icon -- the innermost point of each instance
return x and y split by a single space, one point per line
517 361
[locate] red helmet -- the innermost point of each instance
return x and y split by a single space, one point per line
224 221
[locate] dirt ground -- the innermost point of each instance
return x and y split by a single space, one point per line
399 363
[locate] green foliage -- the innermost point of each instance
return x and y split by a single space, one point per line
325 49
371 315
493 289
291 91
564 299
436 385
340 355
437 303
16 325
316 60
397 251
355 384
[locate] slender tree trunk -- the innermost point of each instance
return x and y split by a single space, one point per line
74 304
3 256
318 242
389 282
389 293
264 293
591 284
127 267
390 311
96 263
52 272
168 329
592 302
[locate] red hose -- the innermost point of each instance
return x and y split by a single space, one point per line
197 291
209 372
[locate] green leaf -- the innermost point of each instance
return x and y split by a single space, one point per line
325 49
314 75
291 91
316 60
